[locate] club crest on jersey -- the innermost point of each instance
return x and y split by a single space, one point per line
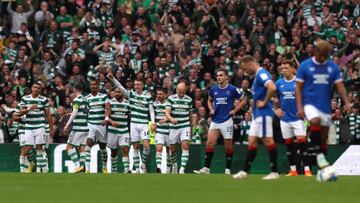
329 70
228 92
215 93
312 68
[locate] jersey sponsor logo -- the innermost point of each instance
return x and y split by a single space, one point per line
321 79
289 95
221 100
263 76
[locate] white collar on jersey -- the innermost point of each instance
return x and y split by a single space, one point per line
316 62
290 80
223 87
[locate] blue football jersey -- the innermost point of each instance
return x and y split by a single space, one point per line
223 101
319 80
262 77
286 90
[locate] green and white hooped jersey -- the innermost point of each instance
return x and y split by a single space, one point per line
36 118
96 108
180 110
160 109
80 121
139 104
47 128
120 114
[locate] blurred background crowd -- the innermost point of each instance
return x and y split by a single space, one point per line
162 42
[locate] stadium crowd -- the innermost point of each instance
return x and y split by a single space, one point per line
163 42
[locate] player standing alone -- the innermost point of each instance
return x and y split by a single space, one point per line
78 134
221 104
291 125
314 90
261 126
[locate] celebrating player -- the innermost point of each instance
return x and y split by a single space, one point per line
162 129
141 105
261 126
78 134
291 125
118 132
178 112
221 104
99 111
314 90
36 108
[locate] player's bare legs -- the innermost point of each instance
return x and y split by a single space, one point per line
213 136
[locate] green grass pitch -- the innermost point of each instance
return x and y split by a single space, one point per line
148 188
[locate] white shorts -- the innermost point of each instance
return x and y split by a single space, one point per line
226 128
179 135
139 132
97 133
77 138
291 129
161 139
116 140
261 127
312 112
33 137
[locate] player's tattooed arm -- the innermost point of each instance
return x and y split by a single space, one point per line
49 120
169 117
117 84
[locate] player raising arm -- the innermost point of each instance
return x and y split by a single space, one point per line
141 105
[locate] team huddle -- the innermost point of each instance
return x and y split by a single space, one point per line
304 93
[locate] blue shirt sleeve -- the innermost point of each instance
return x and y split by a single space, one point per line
263 77
300 75
211 93
236 93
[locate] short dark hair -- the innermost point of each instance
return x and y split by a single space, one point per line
94 79
78 87
290 63
161 89
222 70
